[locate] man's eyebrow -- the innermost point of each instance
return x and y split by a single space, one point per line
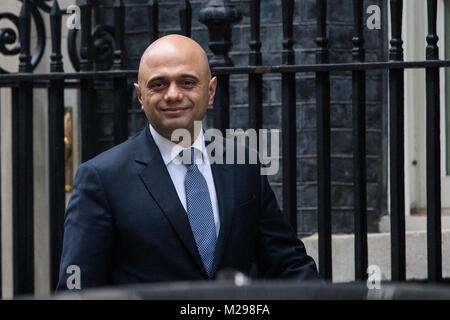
183 75
189 75
155 78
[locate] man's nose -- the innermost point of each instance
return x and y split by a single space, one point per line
173 93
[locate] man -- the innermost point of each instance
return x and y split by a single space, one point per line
137 215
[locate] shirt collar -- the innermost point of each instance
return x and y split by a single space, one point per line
170 150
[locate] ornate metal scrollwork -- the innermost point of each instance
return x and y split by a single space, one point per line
104 46
220 16
72 49
42 5
103 43
102 36
10 37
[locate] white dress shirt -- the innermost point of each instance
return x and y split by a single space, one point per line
177 171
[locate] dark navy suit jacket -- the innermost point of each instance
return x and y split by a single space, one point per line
125 224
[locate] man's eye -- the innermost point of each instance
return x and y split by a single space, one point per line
188 83
156 85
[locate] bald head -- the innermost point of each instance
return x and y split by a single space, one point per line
173 46
175 85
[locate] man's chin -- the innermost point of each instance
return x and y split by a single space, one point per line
171 125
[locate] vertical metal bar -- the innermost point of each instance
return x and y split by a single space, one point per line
120 84
222 103
434 246
359 145
57 176
153 19
288 115
22 140
1 272
56 148
120 110
86 62
255 81
119 33
186 18
323 145
447 96
24 35
396 148
88 141
220 16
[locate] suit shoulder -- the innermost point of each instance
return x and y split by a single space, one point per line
117 156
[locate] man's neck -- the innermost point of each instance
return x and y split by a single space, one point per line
185 143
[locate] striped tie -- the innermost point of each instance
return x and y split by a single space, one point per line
200 213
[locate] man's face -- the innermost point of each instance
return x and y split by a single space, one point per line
175 88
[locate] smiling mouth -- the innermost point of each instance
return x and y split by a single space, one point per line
174 111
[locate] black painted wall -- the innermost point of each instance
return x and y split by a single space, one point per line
340 21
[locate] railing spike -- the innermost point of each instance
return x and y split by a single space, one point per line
255 57
153 19
56 64
186 18
359 146
119 30
323 145
24 34
433 117
396 141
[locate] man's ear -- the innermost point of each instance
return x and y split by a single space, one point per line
139 94
212 90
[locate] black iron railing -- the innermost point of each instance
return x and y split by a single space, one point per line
219 17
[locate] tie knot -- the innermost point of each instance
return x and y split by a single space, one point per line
188 157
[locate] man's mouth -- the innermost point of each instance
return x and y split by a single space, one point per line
173 111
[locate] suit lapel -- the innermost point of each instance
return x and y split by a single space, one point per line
224 184
157 180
